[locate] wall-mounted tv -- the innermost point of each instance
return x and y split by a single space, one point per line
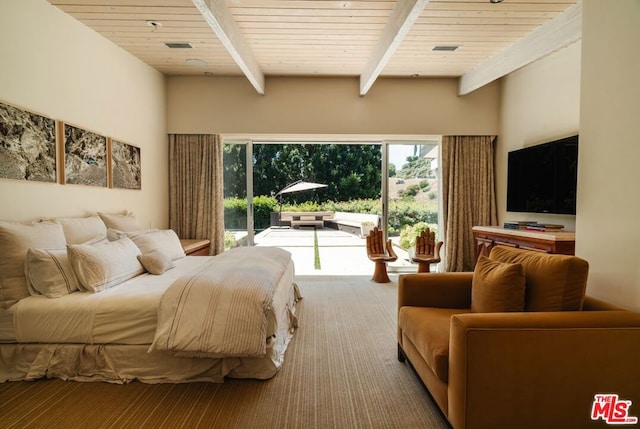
543 178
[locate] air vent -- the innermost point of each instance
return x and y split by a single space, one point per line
178 45
449 48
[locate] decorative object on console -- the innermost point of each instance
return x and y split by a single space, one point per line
85 155
27 145
126 168
516 224
544 227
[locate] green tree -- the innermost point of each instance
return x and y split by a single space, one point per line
350 171
415 167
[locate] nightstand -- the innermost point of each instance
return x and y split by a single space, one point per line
195 247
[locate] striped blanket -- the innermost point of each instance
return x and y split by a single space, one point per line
224 308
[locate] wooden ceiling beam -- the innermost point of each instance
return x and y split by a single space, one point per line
221 21
402 17
559 32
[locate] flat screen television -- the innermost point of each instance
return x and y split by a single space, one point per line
543 178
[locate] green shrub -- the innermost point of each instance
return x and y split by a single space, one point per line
409 233
410 191
229 240
401 213
235 212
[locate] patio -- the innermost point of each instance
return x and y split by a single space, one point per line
339 253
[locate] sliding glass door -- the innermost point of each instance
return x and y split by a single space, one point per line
412 194
396 180
238 194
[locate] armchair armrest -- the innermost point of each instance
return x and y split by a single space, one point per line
532 370
441 290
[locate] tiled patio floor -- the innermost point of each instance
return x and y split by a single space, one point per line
340 253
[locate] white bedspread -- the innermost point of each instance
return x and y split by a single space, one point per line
223 309
124 314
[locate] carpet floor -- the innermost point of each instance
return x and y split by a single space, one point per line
340 371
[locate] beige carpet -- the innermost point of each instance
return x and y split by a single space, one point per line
340 371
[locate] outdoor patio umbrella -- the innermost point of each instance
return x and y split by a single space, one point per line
298 186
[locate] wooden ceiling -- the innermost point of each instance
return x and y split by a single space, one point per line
365 38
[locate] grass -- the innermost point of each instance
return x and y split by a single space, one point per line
316 250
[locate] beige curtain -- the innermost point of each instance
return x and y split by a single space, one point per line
195 188
468 187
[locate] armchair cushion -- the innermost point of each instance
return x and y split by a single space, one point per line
497 287
553 282
428 329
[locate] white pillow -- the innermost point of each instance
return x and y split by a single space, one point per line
155 262
15 240
79 230
165 241
49 273
123 222
115 234
106 264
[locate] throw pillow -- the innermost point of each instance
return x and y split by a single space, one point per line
106 264
79 230
165 241
15 240
497 287
554 282
123 222
155 262
49 273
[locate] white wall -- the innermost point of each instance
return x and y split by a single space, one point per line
55 66
609 160
540 102
329 106
592 87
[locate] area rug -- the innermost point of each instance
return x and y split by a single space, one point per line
340 371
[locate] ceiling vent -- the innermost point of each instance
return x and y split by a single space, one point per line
178 45
448 48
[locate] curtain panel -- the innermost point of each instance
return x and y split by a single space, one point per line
196 200
468 187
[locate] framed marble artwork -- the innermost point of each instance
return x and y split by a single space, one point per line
85 157
27 145
126 168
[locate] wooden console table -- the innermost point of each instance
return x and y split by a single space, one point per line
195 247
563 242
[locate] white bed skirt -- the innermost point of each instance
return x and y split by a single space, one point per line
124 363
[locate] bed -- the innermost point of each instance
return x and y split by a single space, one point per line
198 318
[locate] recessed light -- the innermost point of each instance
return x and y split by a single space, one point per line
154 24
495 1
195 62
